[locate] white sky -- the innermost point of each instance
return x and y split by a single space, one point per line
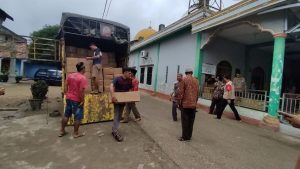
31 15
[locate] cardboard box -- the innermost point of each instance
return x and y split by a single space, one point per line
117 71
106 88
108 71
125 97
107 82
117 75
72 62
108 77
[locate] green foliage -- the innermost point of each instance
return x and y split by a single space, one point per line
44 48
48 31
39 89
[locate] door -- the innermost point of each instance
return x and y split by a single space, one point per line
257 78
224 68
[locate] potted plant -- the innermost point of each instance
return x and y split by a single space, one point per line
18 79
39 90
3 76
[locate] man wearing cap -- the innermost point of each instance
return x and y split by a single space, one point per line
187 100
75 86
96 68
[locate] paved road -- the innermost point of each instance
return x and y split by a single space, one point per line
217 144
30 143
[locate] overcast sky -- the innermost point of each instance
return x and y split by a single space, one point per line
31 15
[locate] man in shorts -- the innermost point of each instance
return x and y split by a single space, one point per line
96 68
75 86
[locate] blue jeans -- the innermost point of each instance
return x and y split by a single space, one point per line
74 108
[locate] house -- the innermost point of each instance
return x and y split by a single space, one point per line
261 39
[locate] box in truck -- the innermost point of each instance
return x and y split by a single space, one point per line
74 47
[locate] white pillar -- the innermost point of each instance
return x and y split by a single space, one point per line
12 70
22 68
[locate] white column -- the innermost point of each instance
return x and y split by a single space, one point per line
22 68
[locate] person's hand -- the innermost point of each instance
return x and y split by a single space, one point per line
228 101
114 99
294 120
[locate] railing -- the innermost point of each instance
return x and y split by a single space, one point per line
207 93
290 103
42 48
253 99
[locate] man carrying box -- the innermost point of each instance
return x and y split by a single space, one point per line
119 84
131 106
96 68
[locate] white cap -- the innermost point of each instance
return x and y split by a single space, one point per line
188 70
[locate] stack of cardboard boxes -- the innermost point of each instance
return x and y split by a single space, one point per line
71 68
108 61
108 75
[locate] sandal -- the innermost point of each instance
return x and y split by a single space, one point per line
61 134
78 135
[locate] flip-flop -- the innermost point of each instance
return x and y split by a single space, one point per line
61 134
78 135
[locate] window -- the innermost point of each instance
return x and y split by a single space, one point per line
142 75
149 75
167 70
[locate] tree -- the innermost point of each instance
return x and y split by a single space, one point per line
44 48
48 31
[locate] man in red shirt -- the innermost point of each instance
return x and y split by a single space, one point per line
132 106
75 86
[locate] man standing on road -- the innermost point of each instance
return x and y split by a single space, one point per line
96 68
75 86
187 100
174 96
228 98
132 106
119 84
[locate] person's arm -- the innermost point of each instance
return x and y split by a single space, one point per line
294 120
180 92
112 91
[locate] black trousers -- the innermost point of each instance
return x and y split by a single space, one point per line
215 106
232 106
174 111
187 122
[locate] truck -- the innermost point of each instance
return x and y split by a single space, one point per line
75 34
